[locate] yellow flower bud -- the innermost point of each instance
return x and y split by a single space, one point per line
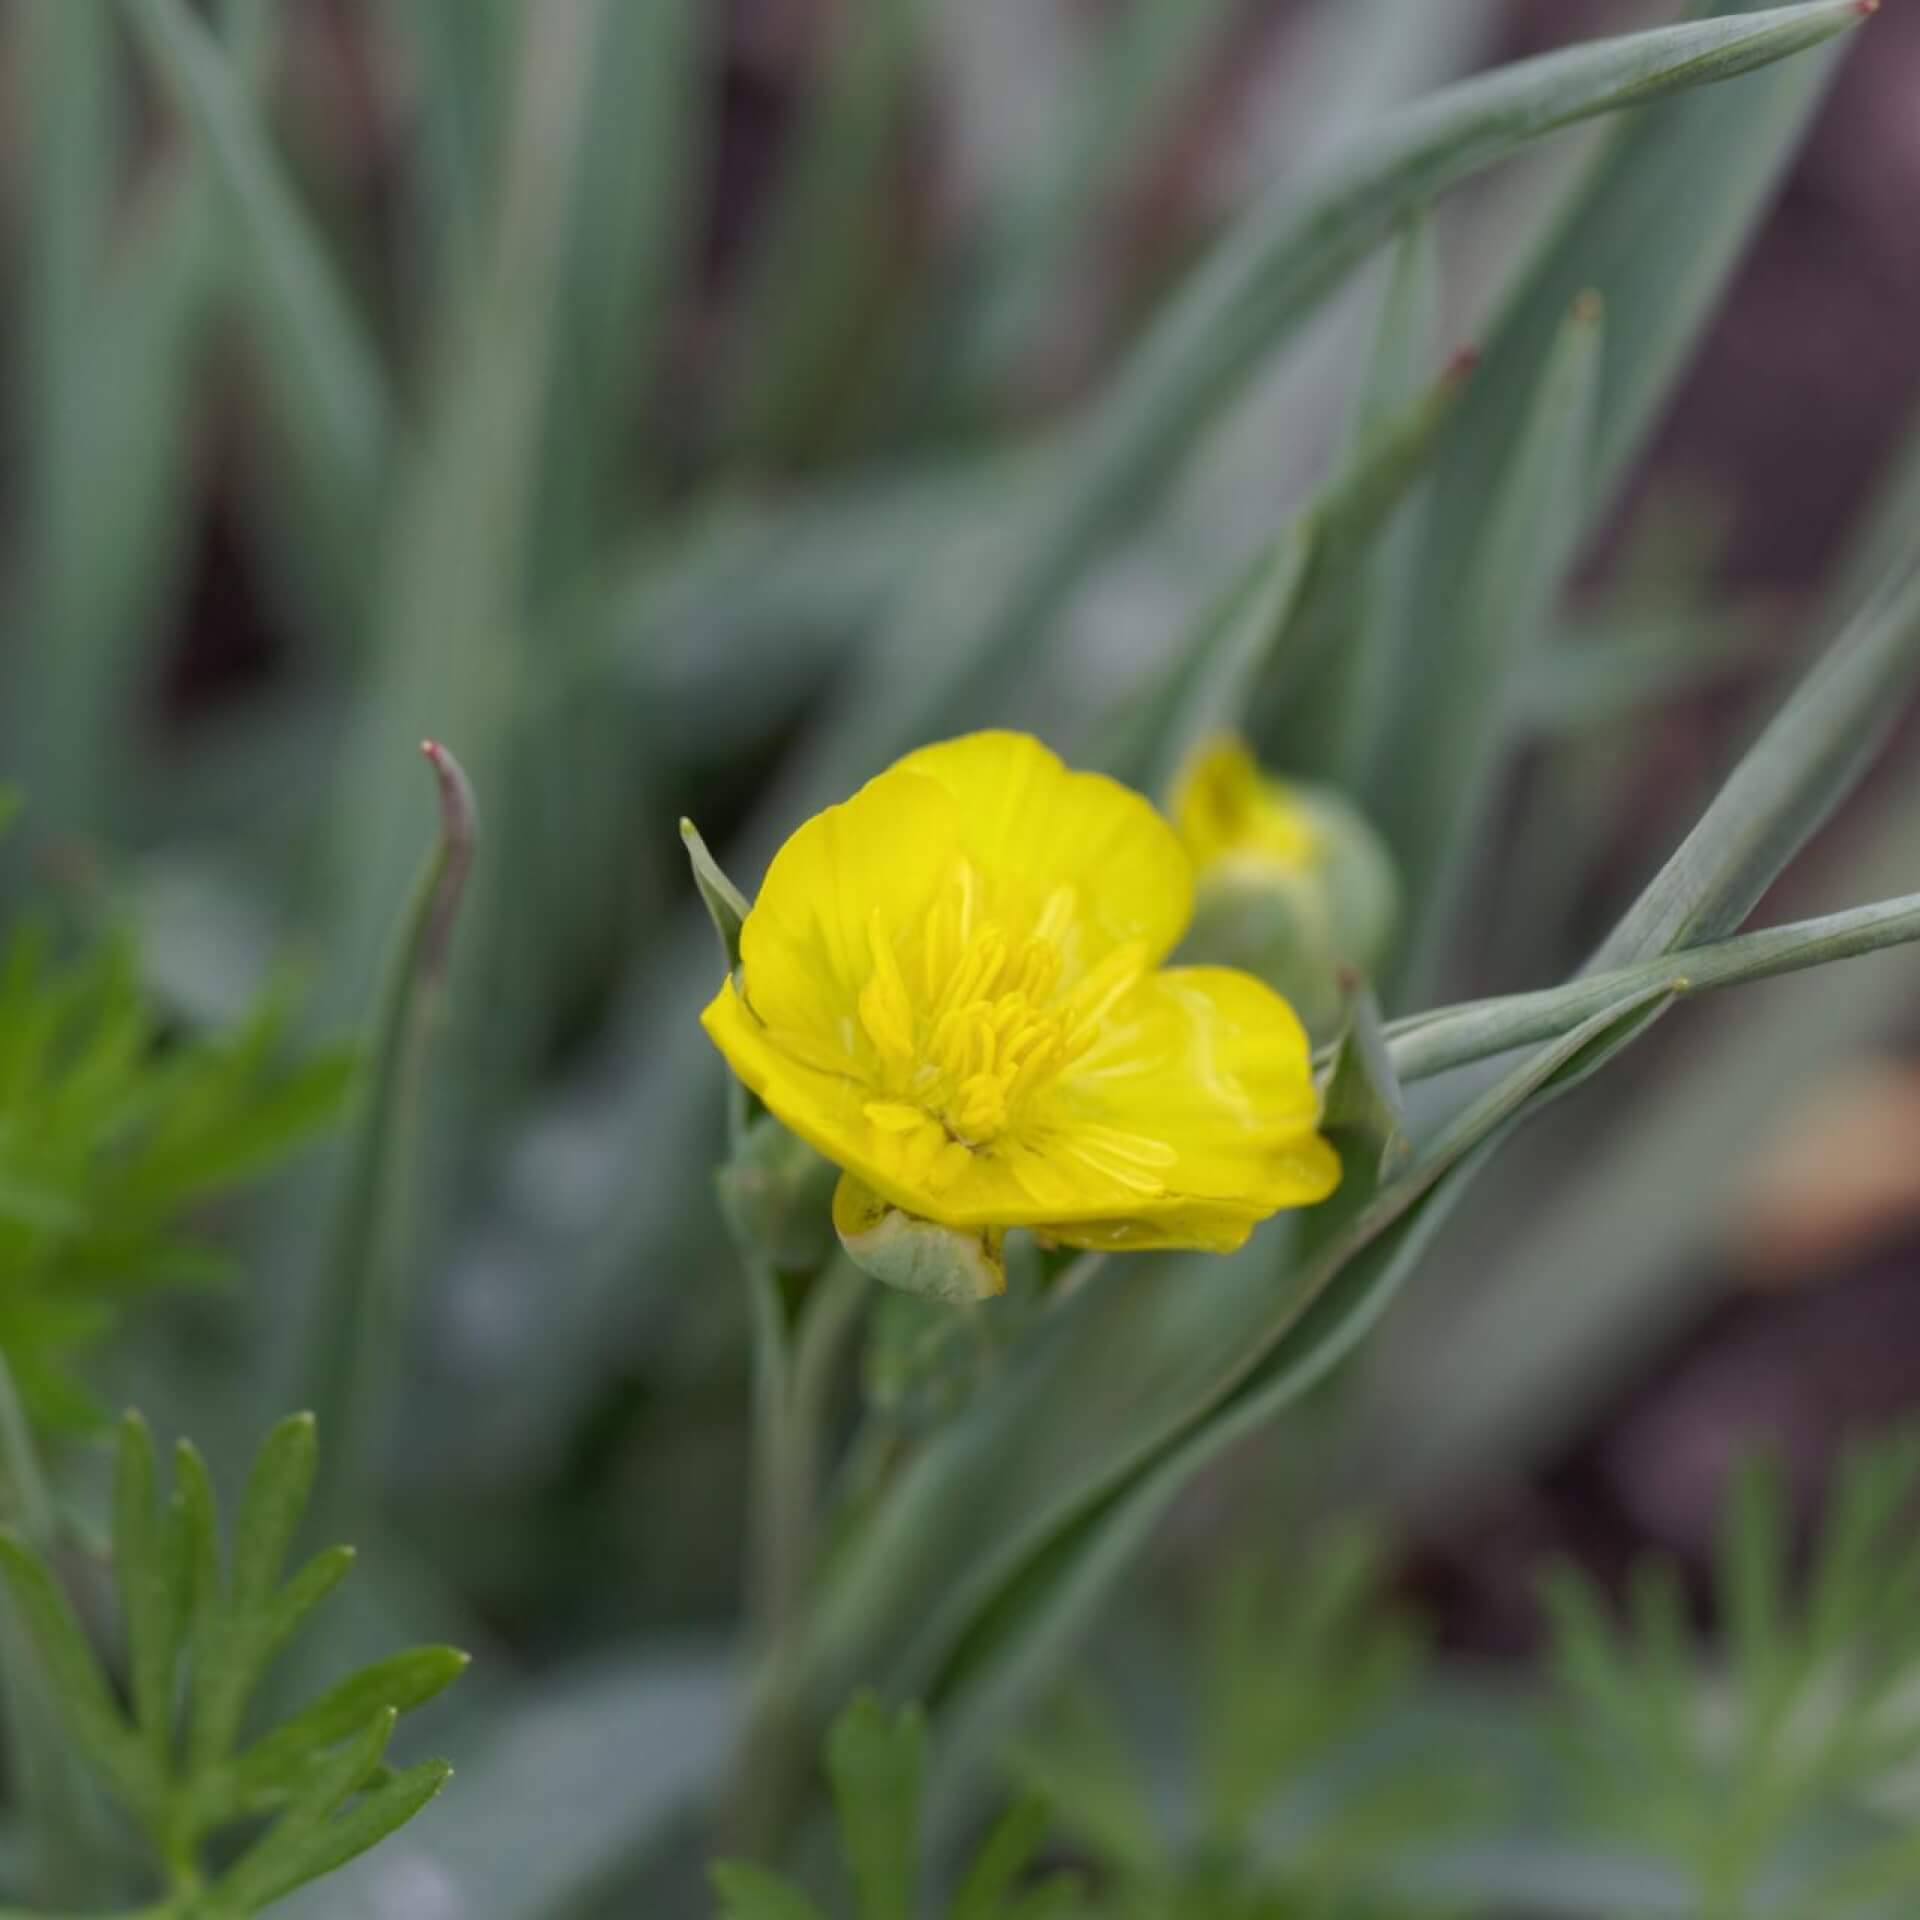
1291 883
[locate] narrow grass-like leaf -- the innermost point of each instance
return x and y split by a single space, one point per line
117 311
1800 768
331 386
1527 542
729 621
1205 686
1654 228
451 642
69 53
462 51
1344 706
638 199
1429 1043
359 1313
1261 633
1279 260
1139 70
822 230
1642 661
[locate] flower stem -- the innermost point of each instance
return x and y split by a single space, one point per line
794 1373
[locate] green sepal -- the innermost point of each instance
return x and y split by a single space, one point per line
956 1264
726 905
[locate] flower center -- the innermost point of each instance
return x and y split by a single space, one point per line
973 1019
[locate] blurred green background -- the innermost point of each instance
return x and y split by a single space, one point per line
651 399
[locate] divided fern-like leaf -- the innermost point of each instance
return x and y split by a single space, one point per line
877 1762
111 1129
199 1642
1750 1778
1292 1670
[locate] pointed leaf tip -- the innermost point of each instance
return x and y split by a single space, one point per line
726 905
459 829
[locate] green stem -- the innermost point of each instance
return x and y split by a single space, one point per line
772 1576
832 1315
793 1387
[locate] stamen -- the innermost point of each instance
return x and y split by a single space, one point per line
989 1030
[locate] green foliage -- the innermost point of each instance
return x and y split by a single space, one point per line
1775 1781
112 1130
1296 1808
877 1763
177 1755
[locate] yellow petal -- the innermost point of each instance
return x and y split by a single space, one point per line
1212 1067
903 1156
1043 838
1196 1228
852 876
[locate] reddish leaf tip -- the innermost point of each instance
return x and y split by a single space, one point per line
458 826
1464 360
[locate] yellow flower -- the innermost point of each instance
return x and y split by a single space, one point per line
1231 815
950 986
